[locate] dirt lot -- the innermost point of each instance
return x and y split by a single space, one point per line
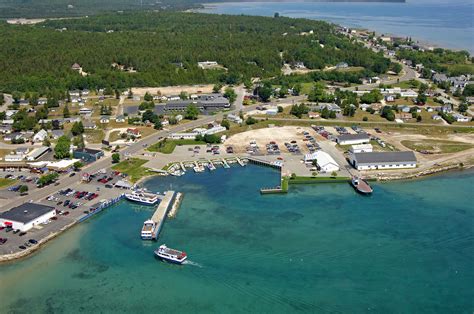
429 160
280 135
173 90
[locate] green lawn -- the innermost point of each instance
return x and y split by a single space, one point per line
133 167
168 146
437 146
310 180
6 182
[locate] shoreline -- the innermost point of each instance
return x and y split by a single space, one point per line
213 6
431 172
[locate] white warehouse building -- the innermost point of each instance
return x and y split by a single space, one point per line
325 162
361 148
26 216
353 139
383 160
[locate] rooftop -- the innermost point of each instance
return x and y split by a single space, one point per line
385 157
26 212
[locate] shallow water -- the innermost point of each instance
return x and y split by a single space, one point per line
322 248
446 23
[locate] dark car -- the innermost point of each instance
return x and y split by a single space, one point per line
72 174
32 241
66 202
16 231
109 186
59 203
22 233
3 240
8 229
22 247
66 213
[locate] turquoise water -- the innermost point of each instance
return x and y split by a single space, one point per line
446 23
406 249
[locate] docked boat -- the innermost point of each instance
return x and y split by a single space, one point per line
148 230
142 197
199 168
361 186
170 255
211 167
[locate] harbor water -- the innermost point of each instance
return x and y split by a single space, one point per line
408 248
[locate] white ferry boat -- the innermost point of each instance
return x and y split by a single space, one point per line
170 255
142 197
148 230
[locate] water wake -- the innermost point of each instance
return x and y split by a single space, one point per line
188 262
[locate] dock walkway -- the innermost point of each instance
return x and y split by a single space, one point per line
161 211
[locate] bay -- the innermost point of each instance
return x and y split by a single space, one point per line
443 23
322 248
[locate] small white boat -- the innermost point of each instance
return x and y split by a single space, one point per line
170 255
211 167
142 197
198 168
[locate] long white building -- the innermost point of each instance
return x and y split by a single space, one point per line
383 160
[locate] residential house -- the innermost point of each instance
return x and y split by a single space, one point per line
120 119
436 117
460 118
342 65
104 119
40 136
134 132
55 134
89 125
439 78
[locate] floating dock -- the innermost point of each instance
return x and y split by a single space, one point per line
160 214
225 164
240 161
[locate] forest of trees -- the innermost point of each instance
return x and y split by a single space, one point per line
164 48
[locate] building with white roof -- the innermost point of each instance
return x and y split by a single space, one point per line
325 162
361 148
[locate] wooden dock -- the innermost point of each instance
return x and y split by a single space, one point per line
161 211
263 162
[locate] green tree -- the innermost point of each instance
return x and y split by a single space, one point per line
78 165
250 120
61 150
16 95
183 95
192 112
2 99
230 94
265 91
115 158
463 107
226 124
468 90
47 142
66 113
77 128
23 189
148 97
280 109
217 88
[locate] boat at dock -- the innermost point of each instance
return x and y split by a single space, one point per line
361 186
148 230
170 255
142 197
199 168
211 167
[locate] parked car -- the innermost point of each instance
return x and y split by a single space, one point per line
3 240
22 233
22 247
16 231
32 241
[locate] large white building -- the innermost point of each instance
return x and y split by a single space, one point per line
383 160
361 148
26 216
353 139
325 162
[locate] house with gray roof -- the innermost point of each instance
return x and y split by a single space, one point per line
383 160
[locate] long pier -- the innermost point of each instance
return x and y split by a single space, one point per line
263 162
160 214
176 203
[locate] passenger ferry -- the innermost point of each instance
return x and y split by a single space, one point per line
142 197
361 186
148 230
170 255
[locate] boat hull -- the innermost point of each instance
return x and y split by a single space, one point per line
171 261
140 201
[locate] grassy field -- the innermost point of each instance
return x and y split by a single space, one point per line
6 182
168 146
94 136
437 146
133 167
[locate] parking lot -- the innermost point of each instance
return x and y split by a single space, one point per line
71 204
